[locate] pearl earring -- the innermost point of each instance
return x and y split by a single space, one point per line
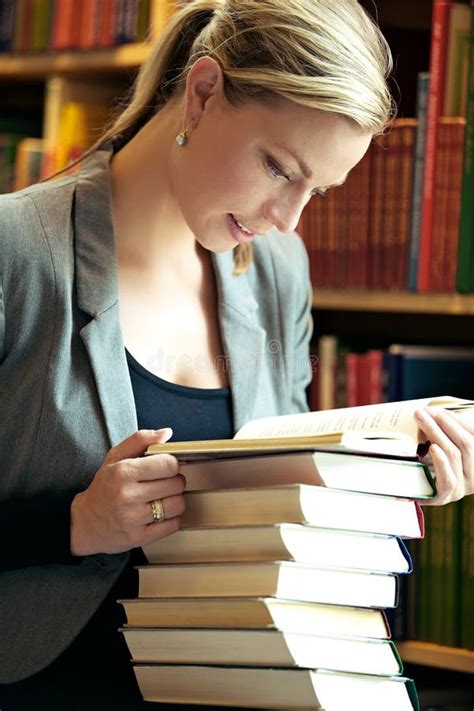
182 137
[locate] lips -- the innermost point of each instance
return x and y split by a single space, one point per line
238 234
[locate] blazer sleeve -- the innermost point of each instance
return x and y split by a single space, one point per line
33 530
36 531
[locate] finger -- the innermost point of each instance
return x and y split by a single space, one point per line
465 418
160 489
446 480
137 443
463 439
432 430
160 466
172 506
456 428
154 531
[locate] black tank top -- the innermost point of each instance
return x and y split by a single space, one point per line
192 413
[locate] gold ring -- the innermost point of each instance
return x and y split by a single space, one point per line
158 510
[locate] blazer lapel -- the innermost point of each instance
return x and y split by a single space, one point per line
97 295
243 339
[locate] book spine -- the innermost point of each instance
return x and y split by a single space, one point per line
456 155
331 239
352 362
422 580
375 363
391 166
376 200
435 98
451 575
457 45
327 372
359 223
465 265
7 10
436 592
89 19
466 622
143 20
417 185
441 187
403 211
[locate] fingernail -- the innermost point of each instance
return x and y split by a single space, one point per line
420 415
165 431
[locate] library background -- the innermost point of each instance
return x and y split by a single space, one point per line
391 252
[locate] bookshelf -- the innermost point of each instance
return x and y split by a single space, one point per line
40 66
389 302
437 655
56 77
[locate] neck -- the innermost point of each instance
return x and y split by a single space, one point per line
151 234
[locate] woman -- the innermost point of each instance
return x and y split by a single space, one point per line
155 290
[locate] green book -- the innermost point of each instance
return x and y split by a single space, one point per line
466 622
465 271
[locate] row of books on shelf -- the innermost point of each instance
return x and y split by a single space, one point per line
438 602
404 218
346 374
26 158
272 593
39 25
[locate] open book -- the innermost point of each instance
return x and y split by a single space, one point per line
385 429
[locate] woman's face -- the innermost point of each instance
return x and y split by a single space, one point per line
242 164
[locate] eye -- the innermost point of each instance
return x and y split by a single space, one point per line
276 170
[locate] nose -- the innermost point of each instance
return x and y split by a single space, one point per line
285 213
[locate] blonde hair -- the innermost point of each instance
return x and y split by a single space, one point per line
321 54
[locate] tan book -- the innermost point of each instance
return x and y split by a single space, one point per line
303 544
386 429
312 505
282 579
350 472
257 613
262 648
305 689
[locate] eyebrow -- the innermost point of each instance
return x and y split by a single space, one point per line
305 169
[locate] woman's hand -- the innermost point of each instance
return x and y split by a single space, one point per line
451 450
114 513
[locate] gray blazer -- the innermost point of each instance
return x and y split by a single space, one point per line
65 392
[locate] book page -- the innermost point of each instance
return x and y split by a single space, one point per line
389 417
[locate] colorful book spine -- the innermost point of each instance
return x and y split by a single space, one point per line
457 131
417 185
7 8
466 622
435 98
465 265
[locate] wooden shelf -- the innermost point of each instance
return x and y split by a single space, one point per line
388 301
435 655
41 65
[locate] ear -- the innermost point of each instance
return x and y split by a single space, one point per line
204 86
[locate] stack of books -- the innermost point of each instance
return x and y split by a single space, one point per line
272 596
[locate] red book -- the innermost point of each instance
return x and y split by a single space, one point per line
107 23
376 202
87 29
358 230
390 206
352 362
439 37
62 28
